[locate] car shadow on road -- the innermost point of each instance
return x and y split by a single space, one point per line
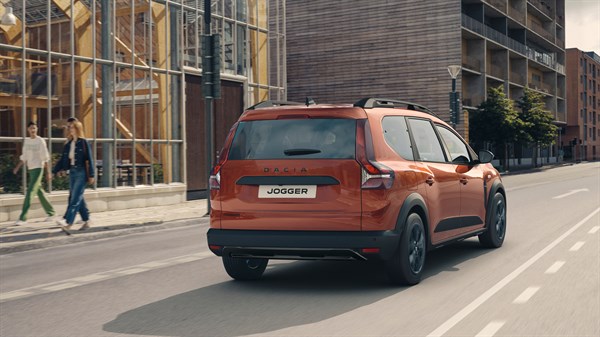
289 294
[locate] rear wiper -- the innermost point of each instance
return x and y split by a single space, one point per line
298 152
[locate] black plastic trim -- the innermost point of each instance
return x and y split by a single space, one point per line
372 102
269 104
287 180
496 186
304 244
457 222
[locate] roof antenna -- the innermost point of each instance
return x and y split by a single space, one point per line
309 101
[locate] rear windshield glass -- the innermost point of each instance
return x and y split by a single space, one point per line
294 139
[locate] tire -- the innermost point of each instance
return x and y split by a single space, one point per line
495 232
244 269
406 265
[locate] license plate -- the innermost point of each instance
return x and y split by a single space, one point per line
287 191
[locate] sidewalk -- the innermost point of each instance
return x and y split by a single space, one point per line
39 233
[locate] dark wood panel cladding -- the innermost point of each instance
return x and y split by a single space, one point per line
226 112
195 135
340 51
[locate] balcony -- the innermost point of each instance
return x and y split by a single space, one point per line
496 71
542 7
472 101
517 78
498 4
494 35
517 14
560 92
472 63
541 86
536 27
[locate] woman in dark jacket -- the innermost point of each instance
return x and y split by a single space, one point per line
77 159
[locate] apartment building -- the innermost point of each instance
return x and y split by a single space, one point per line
344 50
582 137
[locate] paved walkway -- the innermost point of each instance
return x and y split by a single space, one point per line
39 233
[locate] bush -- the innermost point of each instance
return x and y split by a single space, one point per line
12 183
9 182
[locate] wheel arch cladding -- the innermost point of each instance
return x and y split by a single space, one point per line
497 187
414 203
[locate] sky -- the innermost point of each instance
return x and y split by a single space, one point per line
582 25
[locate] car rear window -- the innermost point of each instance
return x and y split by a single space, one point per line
294 139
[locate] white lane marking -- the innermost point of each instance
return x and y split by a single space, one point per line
490 329
577 246
594 230
61 286
526 295
89 278
555 267
188 259
459 316
152 264
97 277
571 193
13 294
132 271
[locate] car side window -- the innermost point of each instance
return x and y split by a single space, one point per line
395 133
459 153
426 141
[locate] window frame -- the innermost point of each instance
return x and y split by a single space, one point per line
470 152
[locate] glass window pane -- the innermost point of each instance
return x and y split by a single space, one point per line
426 140
240 10
295 139
252 10
228 8
457 148
262 14
228 63
190 39
263 69
241 50
396 136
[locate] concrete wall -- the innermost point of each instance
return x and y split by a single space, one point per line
100 200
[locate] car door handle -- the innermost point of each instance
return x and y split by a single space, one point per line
464 181
429 180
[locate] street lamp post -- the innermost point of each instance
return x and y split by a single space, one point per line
454 70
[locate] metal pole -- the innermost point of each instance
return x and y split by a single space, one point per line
453 109
208 104
107 95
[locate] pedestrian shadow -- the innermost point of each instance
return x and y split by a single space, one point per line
288 295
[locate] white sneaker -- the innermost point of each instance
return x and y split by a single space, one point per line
20 223
86 225
64 226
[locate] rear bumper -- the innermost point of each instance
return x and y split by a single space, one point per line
303 245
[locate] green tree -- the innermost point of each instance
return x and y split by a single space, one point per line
537 121
496 121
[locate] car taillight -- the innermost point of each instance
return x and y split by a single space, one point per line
215 181
374 175
380 178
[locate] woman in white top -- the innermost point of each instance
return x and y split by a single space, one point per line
35 156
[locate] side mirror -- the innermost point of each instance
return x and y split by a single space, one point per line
485 156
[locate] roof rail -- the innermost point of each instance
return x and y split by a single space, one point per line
268 104
371 102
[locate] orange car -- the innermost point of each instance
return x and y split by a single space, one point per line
381 179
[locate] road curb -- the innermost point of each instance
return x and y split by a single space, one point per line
52 240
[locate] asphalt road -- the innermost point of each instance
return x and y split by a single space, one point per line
545 280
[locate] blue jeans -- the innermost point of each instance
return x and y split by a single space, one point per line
78 181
